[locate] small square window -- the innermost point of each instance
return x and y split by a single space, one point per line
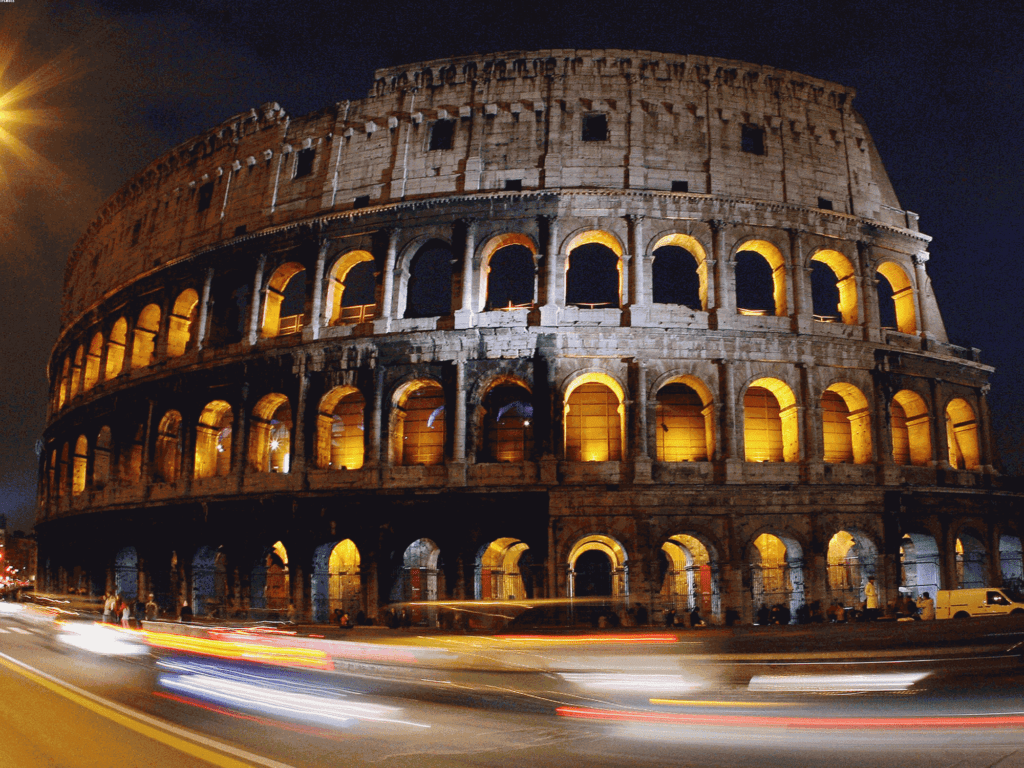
680 186
595 127
441 134
240 230
205 196
304 162
825 205
363 201
514 185
752 140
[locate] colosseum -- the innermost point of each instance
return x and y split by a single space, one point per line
529 325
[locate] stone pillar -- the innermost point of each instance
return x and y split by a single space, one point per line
725 295
240 437
146 470
204 312
642 456
298 465
985 431
872 327
464 315
254 307
459 441
803 304
811 447
552 299
940 449
638 295
376 425
552 579
387 310
316 320
732 423
920 305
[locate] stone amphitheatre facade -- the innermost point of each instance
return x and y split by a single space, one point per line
526 325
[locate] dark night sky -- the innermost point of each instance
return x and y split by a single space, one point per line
941 86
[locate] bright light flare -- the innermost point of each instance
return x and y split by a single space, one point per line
877 683
101 639
624 682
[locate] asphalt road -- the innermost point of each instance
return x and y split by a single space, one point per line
69 707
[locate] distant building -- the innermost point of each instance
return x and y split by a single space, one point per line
551 324
18 559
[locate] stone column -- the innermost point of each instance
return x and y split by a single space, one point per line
803 305
642 457
298 461
316 320
254 308
204 311
725 296
387 310
376 425
871 320
240 437
638 285
464 315
985 430
940 449
920 305
552 300
459 441
732 423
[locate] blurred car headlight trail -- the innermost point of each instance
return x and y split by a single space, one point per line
244 650
630 683
605 638
102 639
10 608
864 683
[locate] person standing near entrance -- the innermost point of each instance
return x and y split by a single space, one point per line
871 598
926 607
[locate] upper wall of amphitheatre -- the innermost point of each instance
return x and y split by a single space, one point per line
516 116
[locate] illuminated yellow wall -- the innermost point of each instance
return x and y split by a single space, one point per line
168 447
80 465
902 296
508 432
911 429
340 429
180 323
684 423
115 348
770 428
145 336
276 286
76 371
420 424
92 362
774 258
335 310
270 435
101 460
846 282
594 420
772 551
846 425
962 435
213 440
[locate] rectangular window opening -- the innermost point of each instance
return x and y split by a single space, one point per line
680 186
514 185
752 140
304 162
595 127
135 232
205 196
824 204
363 201
240 230
441 134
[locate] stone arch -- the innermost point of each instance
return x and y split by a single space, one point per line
911 429
214 440
76 371
971 561
497 574
770 422
776 263
80 464
777 573
962 435
64 473
509 268
852 558
101 459
270 583
507 420
690 577
115 348
594 418
669 269
347 290
418 423
428 283
593 269
65 383
181 322
93 357
418 577
283 295
126 573
146 330
1011 562
591 580
843 282
340 429
846 425
896 297
919 563
684 420
167 458
270 435
336 580
210 582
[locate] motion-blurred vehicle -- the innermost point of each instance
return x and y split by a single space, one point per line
965 603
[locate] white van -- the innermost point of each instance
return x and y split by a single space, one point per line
964 603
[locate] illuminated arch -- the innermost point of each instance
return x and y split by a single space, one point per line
919 563
76 371
845 281
521 288
846 425
168 448
209 581
337 310
273 324
578 581
507 415
770 422
80 467
685 420
181 322
695 249
690 576
340 429
852 558
101 459
270 585
773 256
911 429
1011 559
497 575
971 562
594 418
336 582
418 579
92 362
902 296
776 572
270 435
65 383
115 348
418 423
213 440
146 330
962 435
573 277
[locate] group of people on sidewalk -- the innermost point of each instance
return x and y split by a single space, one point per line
901 607
128 613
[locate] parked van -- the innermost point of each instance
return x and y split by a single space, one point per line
964 603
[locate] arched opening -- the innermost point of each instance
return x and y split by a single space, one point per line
498 575
971 562
508 423
54 478
419 424
760 273
919 561
126 573
846 425
115 348
911 429
852 559
270 442
210 582
213 440
76 371
101 460
336 585
1011 563
63 391
833 288
593 271
510 270
351 289
65 470
418 579
92 362
895 298
167 457
770 429
594 419
685 421
81 462
340 429
270 584
598 568
181 322
145 336
776 578
131 459
690 576
285 302
429 291
679 272
962 435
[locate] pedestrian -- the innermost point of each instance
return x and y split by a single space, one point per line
152 609
139 613
871 598
186 613
107 607
695 619
126 614
926 606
